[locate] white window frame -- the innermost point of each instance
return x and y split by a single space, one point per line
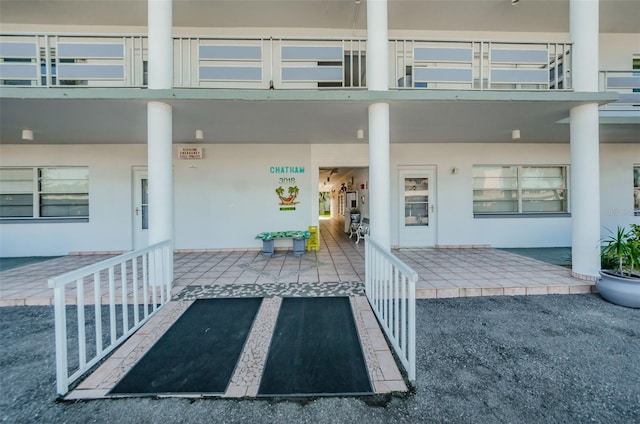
519 192
36 192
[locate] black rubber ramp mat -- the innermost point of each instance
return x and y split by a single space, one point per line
315 350
198 353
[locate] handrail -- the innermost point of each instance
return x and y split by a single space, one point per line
626 83
90 269
136 285
283 62
390 286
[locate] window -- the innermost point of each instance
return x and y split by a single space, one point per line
47 192
636 189
519 189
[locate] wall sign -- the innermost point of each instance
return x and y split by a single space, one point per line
191 152
287 190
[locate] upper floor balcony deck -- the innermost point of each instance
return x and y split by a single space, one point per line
86 60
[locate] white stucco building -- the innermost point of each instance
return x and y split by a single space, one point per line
457 123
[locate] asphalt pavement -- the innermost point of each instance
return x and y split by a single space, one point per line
521 359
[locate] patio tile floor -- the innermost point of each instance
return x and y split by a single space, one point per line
441 272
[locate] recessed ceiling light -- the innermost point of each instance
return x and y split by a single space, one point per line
27 135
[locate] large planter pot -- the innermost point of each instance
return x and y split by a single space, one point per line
623 291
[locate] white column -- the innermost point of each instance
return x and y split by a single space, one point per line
585 142
160 126
377 46
160 156
160 44
378 80
583 28
379 175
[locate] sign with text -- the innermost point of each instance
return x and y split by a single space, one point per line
289 195
191 152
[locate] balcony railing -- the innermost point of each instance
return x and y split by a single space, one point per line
627 84
51 60
266 63
73 60
481 65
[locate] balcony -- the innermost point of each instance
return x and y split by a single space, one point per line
51 60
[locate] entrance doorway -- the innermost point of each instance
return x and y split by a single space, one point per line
343 189
140 208
417 208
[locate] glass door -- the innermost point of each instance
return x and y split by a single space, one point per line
140 209
417 208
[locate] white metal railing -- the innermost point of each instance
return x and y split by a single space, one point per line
236 62
53 60
267 62
390 286
627 84
481 65
133 287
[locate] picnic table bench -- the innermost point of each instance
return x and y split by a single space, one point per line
298 237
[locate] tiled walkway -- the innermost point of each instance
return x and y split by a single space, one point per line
442 272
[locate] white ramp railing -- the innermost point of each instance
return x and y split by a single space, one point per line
132 286
390 286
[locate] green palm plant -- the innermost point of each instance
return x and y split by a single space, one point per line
623 248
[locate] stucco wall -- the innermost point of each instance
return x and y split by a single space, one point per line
225 199
110 200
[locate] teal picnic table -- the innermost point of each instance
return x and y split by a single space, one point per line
298 238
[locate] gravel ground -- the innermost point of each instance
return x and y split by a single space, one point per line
525 359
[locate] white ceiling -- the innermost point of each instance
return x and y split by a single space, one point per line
291 121
473 15
123 121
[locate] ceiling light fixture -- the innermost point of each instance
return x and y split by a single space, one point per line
514 2
27 135
360 135
515 135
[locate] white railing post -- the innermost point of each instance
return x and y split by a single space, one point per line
168 264
97 298
82 347
411 331
61 340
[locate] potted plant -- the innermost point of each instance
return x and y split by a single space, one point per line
621 251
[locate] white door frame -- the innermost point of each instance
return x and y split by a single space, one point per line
418 236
